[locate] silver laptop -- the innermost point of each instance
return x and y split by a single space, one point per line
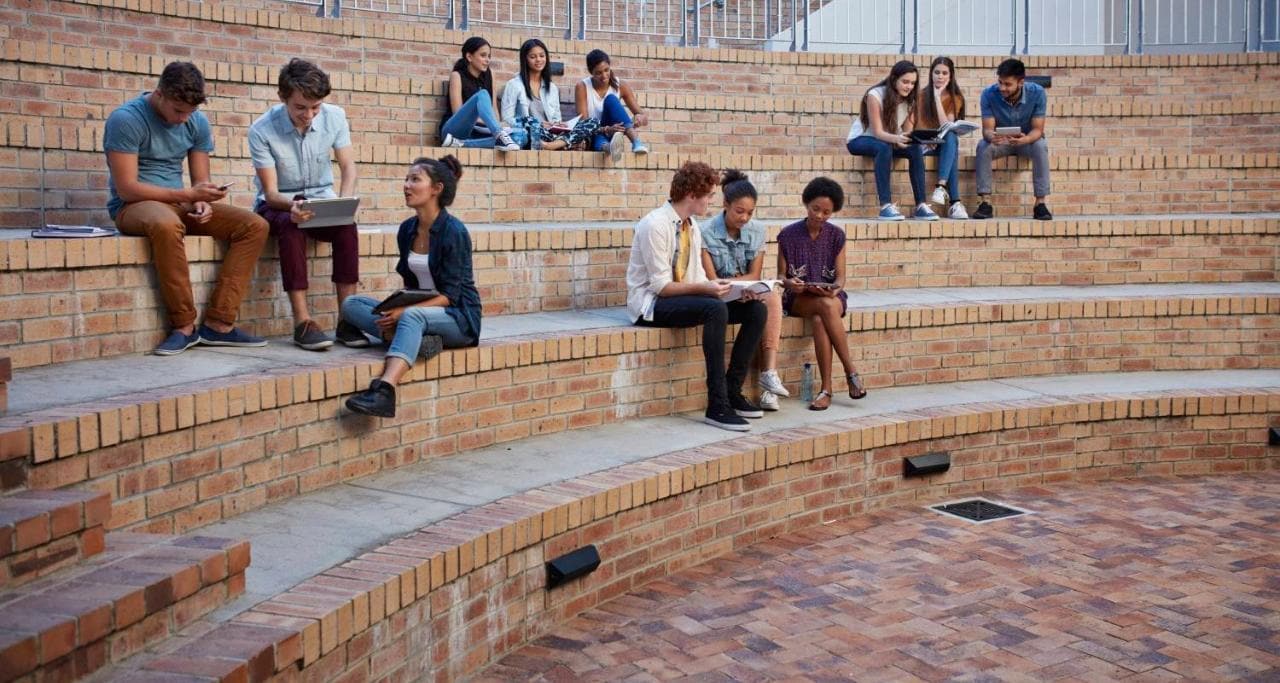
331 212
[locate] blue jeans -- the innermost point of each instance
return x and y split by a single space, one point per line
948 154
463 121
611 113
416 322
884 153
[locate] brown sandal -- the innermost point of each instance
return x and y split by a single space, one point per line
822 401
856 390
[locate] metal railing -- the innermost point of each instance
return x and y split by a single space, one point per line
954 26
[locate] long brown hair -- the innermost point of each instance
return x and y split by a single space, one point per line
928 111
889 107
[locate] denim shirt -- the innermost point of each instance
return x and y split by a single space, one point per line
732 258
301 161
449 255
1032 105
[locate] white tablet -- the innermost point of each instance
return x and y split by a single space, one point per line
331 212
1009 130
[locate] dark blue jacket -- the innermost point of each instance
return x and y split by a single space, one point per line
449 258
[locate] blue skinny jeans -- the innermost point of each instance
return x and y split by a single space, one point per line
884 154
611 112
948 154
463 122
416 322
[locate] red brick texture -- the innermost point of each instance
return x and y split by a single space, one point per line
177 459
471 588
140 590
42 531
68 299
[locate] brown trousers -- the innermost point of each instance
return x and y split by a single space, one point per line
166 225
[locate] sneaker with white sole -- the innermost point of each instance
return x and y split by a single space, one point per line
638 147
450 141
504 143
771 382
726 419
617 144
769 401
939 196
890 212
924 213
958 212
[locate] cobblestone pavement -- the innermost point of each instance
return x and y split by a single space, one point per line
1151 579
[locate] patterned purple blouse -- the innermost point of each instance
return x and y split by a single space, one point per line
811 260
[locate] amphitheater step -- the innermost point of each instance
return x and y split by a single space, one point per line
326 527
140 590
42 531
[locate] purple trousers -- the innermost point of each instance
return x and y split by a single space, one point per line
293 255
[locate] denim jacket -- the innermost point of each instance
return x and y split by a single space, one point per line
732 257
450 264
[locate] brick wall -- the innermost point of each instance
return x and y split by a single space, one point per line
87 299
471 588
179 458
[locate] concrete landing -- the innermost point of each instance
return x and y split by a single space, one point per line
297 538
79 381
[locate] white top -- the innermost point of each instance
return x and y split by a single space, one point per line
418 264
516 104
653 254
595 103
856 130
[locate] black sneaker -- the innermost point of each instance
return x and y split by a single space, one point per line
379 400
309 336
725 419
432 345
349 335
1042 213
983 211
744 408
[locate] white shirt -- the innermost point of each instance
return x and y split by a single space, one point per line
516 103
420 265
595 103
856 130
653 252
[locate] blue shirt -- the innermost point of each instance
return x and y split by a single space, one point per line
732 257
136 128
449 260
1032 105
301 160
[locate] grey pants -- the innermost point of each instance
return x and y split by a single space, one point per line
1037 151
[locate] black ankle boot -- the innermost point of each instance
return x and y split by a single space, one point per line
378 400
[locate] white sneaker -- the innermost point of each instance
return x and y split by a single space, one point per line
450 141
957 212
639 148
772 383
617 144
504 143
939 196
768 401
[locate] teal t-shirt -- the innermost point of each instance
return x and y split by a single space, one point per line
135 128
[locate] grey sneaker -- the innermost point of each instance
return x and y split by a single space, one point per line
309 336
768 401
350 336
617 144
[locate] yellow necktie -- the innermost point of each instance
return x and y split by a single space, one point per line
682 261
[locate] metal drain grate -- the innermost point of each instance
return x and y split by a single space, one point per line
978 510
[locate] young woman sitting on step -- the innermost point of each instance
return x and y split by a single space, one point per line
531 105
472 103
886 115
942 103
435 254
601 96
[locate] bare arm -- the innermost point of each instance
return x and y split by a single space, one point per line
639 118
124 174
877 124
271 191
580 100
1037 132
347 173
455 91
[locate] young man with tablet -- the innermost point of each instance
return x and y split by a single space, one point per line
1013 116
146 141
290 147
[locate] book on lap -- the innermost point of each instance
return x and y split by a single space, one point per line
405 297
738 288
936 135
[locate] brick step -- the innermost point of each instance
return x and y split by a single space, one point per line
43 531
585 186
464 581
219 432
93 298
141 589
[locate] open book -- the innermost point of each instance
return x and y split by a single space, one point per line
72 231
736 288
935 135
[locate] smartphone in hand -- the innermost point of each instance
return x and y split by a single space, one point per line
226 186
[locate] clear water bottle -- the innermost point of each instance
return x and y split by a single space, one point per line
806 383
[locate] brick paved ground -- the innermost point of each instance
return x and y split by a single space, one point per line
1155 579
